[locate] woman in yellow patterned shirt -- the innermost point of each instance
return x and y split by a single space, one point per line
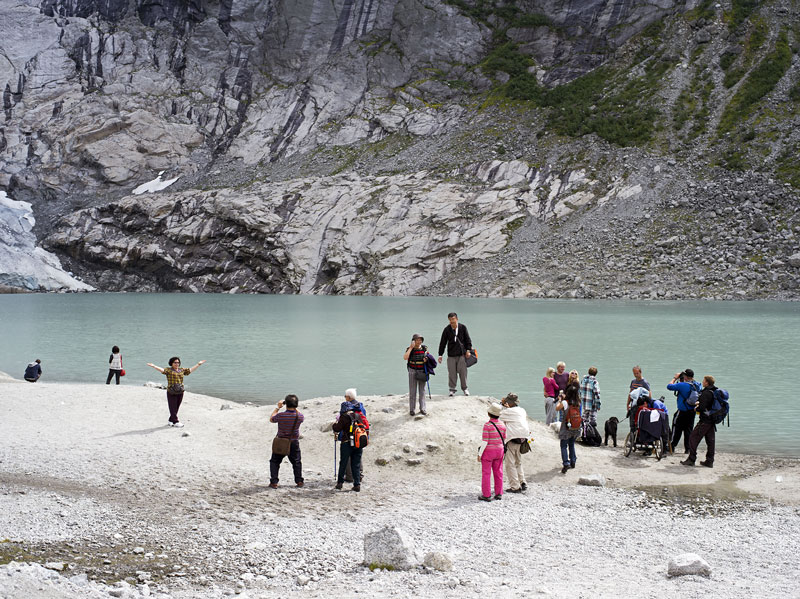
175 376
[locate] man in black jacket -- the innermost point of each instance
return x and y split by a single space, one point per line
705 429
459 347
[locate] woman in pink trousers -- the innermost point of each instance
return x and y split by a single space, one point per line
491 456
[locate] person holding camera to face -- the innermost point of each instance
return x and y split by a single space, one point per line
416 357
687 391
289 422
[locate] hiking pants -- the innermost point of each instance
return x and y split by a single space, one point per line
565 445
550 410
707 430
456 367
415 388
174 402
111 373
294 459
492 467
513 464
683 425
350 455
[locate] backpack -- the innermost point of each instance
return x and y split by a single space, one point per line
720 409
359 430
694 394
590 435
574 419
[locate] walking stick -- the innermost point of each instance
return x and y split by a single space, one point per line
335 473
428 381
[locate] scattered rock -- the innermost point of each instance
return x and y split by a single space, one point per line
438 561
59 566
414 461
186 434
138 550
592 480
226 407
382 461
794 260
433 446
688 564
407 448
389 548
302 580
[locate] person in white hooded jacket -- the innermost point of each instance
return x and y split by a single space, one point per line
517 432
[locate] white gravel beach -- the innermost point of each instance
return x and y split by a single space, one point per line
99 498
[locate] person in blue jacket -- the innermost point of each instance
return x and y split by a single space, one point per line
687 390
33 371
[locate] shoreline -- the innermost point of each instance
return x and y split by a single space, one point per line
90 474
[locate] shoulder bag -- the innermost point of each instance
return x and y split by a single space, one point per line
282 445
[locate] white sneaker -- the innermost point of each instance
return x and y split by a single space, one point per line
178 425
452 393
466 391
170 424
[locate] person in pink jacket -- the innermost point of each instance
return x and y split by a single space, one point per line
491 456
550 395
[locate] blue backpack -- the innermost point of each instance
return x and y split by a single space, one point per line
694 394
720 409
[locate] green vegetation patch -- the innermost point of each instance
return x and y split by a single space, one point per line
788 165
760 82
740 12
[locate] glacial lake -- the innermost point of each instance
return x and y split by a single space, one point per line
260 348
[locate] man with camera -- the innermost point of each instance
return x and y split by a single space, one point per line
687 391
455 338
289 422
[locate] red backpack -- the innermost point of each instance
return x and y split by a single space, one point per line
574 419
359 430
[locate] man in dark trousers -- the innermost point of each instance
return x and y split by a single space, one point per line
459 347
289 422
683 384
705 429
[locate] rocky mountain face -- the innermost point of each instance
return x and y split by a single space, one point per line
519 148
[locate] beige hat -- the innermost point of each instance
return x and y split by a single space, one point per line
495 409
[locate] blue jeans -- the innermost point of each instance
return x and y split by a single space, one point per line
572 458
350 454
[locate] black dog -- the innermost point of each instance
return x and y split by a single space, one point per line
611 429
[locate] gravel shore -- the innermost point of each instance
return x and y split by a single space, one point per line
99 498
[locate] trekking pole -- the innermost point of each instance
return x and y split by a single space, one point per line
428 382
335 473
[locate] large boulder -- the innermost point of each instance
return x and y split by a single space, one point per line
688 564
389 548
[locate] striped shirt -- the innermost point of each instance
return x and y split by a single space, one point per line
417 359
490 435
175 376
288 428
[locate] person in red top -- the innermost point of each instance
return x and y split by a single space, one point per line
289 422
550 395
491 456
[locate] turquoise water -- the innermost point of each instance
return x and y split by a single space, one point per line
261 347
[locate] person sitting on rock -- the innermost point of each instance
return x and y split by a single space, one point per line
33 371
490 454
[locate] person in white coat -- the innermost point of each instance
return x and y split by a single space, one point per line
517 433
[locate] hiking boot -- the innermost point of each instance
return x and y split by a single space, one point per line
466 391
707 464
411 412
338 486
498 497
572 465
482 498
523 487
564 469
273 485
301 484
357 488
688 462
452 394
423 412
514 490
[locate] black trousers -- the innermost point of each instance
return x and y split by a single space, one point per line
294 459
350 455
704 430
174 402
684 424
111 373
